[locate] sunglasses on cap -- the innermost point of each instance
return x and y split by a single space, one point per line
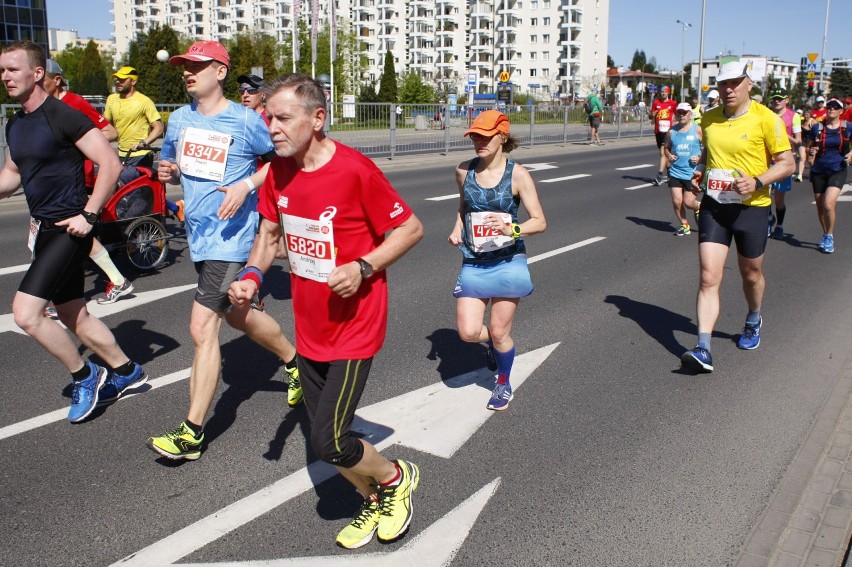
246 90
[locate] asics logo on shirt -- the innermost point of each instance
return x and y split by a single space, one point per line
282 202
328 213
397 210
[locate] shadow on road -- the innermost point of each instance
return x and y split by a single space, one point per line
663 226
454 355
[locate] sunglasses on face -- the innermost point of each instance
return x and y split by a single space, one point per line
249 91
833 107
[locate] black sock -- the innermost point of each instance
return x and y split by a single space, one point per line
124 369
81 374
780 213
196 429
290 365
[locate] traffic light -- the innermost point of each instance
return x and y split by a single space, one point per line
810 88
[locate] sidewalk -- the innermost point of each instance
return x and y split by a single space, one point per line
809 518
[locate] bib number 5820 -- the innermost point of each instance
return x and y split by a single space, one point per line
308 247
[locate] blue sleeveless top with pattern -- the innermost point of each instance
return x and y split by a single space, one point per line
494 199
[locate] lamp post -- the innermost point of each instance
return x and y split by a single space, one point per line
682 40
162 57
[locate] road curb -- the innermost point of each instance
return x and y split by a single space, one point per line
809 518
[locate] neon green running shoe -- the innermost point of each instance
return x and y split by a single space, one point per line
180 443
294 387
395 504
360 531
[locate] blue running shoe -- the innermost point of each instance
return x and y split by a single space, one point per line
750 337
84 396
828 247
821 244
698 359
500 398
117 384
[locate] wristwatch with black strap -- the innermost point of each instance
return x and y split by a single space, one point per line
91 218
366 268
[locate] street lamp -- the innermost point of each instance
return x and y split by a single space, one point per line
162 57
682 63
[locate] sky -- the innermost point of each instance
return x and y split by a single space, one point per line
736 26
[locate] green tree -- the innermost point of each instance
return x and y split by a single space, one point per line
158 80
651 65
610 62
414 90
639 61
387 84
89 78
799 92
841 82
248 50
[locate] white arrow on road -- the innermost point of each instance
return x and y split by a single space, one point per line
7 321
539 166
436 419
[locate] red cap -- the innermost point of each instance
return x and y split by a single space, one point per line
849 99
666 89
203 51
489 123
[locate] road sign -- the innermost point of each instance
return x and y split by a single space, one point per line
811 74
629 96
504 77
468 88
705 88
471 79
813 57
811 68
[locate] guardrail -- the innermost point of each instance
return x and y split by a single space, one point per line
389 130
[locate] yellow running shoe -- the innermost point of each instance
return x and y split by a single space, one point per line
294 387
180 443
395 504
360 531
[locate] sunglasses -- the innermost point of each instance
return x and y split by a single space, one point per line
833 107
249 91
681 112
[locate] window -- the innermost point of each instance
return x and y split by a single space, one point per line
533 22
534 4
545 72
546 21
546 4
545 38
533 73
533 39
545 55
533 55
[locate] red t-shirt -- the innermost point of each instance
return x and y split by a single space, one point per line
847 115
664 119
819 114
80 104
362 206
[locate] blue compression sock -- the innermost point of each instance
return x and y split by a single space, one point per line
504 364
704 340
753 318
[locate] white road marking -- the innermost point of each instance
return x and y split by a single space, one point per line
60 414
568 178
565 249
14 269
444 197
436 546
634 167
436 419
7 321
539 166
639 186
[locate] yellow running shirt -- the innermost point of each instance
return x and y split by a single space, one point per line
132 118
746 142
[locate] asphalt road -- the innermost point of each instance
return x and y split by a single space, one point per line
609 454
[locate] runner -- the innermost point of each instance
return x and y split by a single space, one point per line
594 110
778 101
683 150
696 109
740 138
829 155
662 112
48 142
250 95
712 100
54 84
847 113
138 123
335 207
819 111
807 125
221 223
494 265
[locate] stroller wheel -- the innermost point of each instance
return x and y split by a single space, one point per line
147 243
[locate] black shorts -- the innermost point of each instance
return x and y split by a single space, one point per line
595 121
56 273
685 184
332 391
746 225
822 181
214 280
661 138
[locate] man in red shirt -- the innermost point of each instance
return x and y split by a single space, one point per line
335 207
847 112
662 112
819 112
54 84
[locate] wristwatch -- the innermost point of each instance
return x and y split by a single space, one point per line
758 184
516 230
366 268
91 218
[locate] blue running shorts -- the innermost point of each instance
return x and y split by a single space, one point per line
498 278
784 185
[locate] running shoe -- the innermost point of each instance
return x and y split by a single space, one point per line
294 387
114 292
828 247
117 384
84 395
360 530
50 312
395 505
797 177
500 398
683 230
821 244
180 213
778 233
490 359
750 337
179 443
658 180
698 359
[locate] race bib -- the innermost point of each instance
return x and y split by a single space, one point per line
31 239
720 186
485 239
310 246
203 153
664 125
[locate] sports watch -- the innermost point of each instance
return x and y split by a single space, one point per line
366 268
758 184
91 218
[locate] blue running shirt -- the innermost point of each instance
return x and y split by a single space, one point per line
685 143
211 238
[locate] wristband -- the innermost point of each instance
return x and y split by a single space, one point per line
251 273
250 184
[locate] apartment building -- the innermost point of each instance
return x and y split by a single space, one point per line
23 20
549 48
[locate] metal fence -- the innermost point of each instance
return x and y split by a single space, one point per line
390 130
